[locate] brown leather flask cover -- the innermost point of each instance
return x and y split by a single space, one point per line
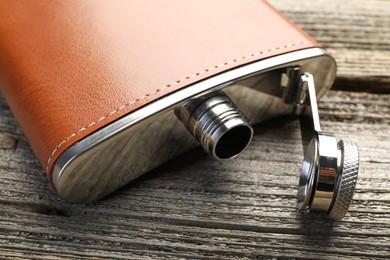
70 68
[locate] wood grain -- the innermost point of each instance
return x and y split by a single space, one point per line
195 207
355 32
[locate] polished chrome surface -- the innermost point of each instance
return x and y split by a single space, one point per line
329 170
308 85
290 89
321 188
318 174
216 124
140 141
346 179
308 178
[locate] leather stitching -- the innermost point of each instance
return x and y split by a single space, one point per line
165 87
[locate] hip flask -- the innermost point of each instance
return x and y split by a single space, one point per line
107 91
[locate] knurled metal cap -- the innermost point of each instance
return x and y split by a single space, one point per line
346 180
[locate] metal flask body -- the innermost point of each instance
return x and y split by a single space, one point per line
161 130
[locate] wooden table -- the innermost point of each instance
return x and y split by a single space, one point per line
195 207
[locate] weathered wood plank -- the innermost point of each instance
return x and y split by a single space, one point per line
356 33
197 207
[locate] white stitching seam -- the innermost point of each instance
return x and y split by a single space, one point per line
165 87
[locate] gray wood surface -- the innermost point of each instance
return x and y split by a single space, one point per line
195 207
